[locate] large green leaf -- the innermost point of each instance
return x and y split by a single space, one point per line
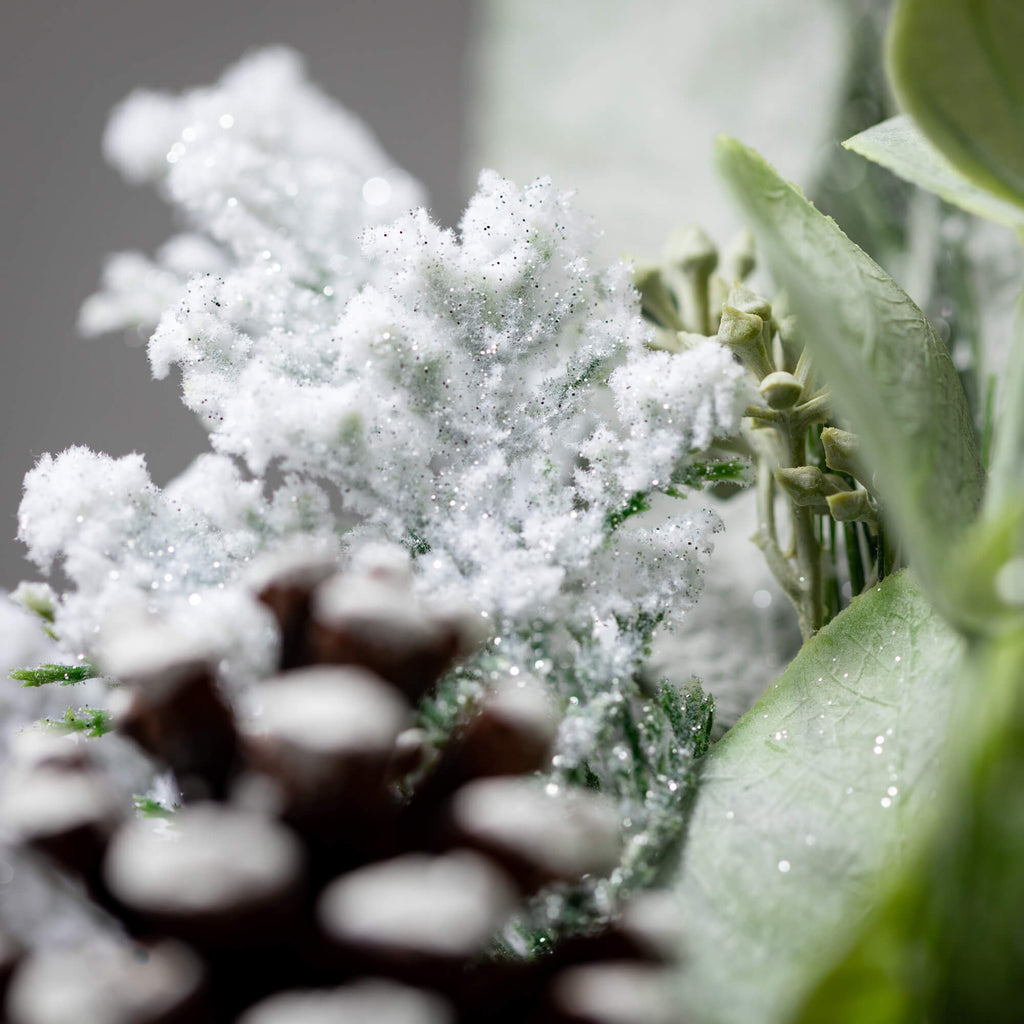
891 376
948 942
901 147
809 802
957 70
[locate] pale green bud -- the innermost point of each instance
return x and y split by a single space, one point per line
781 390
740 258
718 295
688 339
667 341
691 251
808 487
841 450
748 301
656 299
852 506
744 334
692 258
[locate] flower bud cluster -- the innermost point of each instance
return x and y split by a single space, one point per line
688 300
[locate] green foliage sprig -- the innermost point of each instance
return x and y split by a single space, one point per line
66 675
93 722
835 544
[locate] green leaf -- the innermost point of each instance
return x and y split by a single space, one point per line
956 68
147 807
990 568
638 503
891 377
66 675
899 146
947 943
989 562
37 598
94 722
806 805
1006 478
697 474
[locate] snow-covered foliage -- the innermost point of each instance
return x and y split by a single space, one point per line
23 641
131 548
454 402
485 398
271 179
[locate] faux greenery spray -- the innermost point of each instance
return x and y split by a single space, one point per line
515 424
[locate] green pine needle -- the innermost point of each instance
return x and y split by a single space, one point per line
94 722
415 544
698 474
147 807
66 675
690 713
640 502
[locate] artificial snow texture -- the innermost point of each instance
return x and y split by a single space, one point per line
485 399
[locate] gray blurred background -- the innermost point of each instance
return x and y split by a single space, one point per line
397 64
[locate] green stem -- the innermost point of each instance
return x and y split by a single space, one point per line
763 413
807 550
854 560
833 593
815 410
783 572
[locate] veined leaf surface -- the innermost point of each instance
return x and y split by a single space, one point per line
957 70
811 802
900 146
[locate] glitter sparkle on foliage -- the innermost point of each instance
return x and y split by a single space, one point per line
485 398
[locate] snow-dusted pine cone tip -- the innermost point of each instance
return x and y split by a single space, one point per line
327 865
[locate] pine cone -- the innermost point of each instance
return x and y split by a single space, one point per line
328 864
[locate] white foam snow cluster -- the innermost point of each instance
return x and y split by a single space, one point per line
130 548
456 402
485 398
273 179
664 398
